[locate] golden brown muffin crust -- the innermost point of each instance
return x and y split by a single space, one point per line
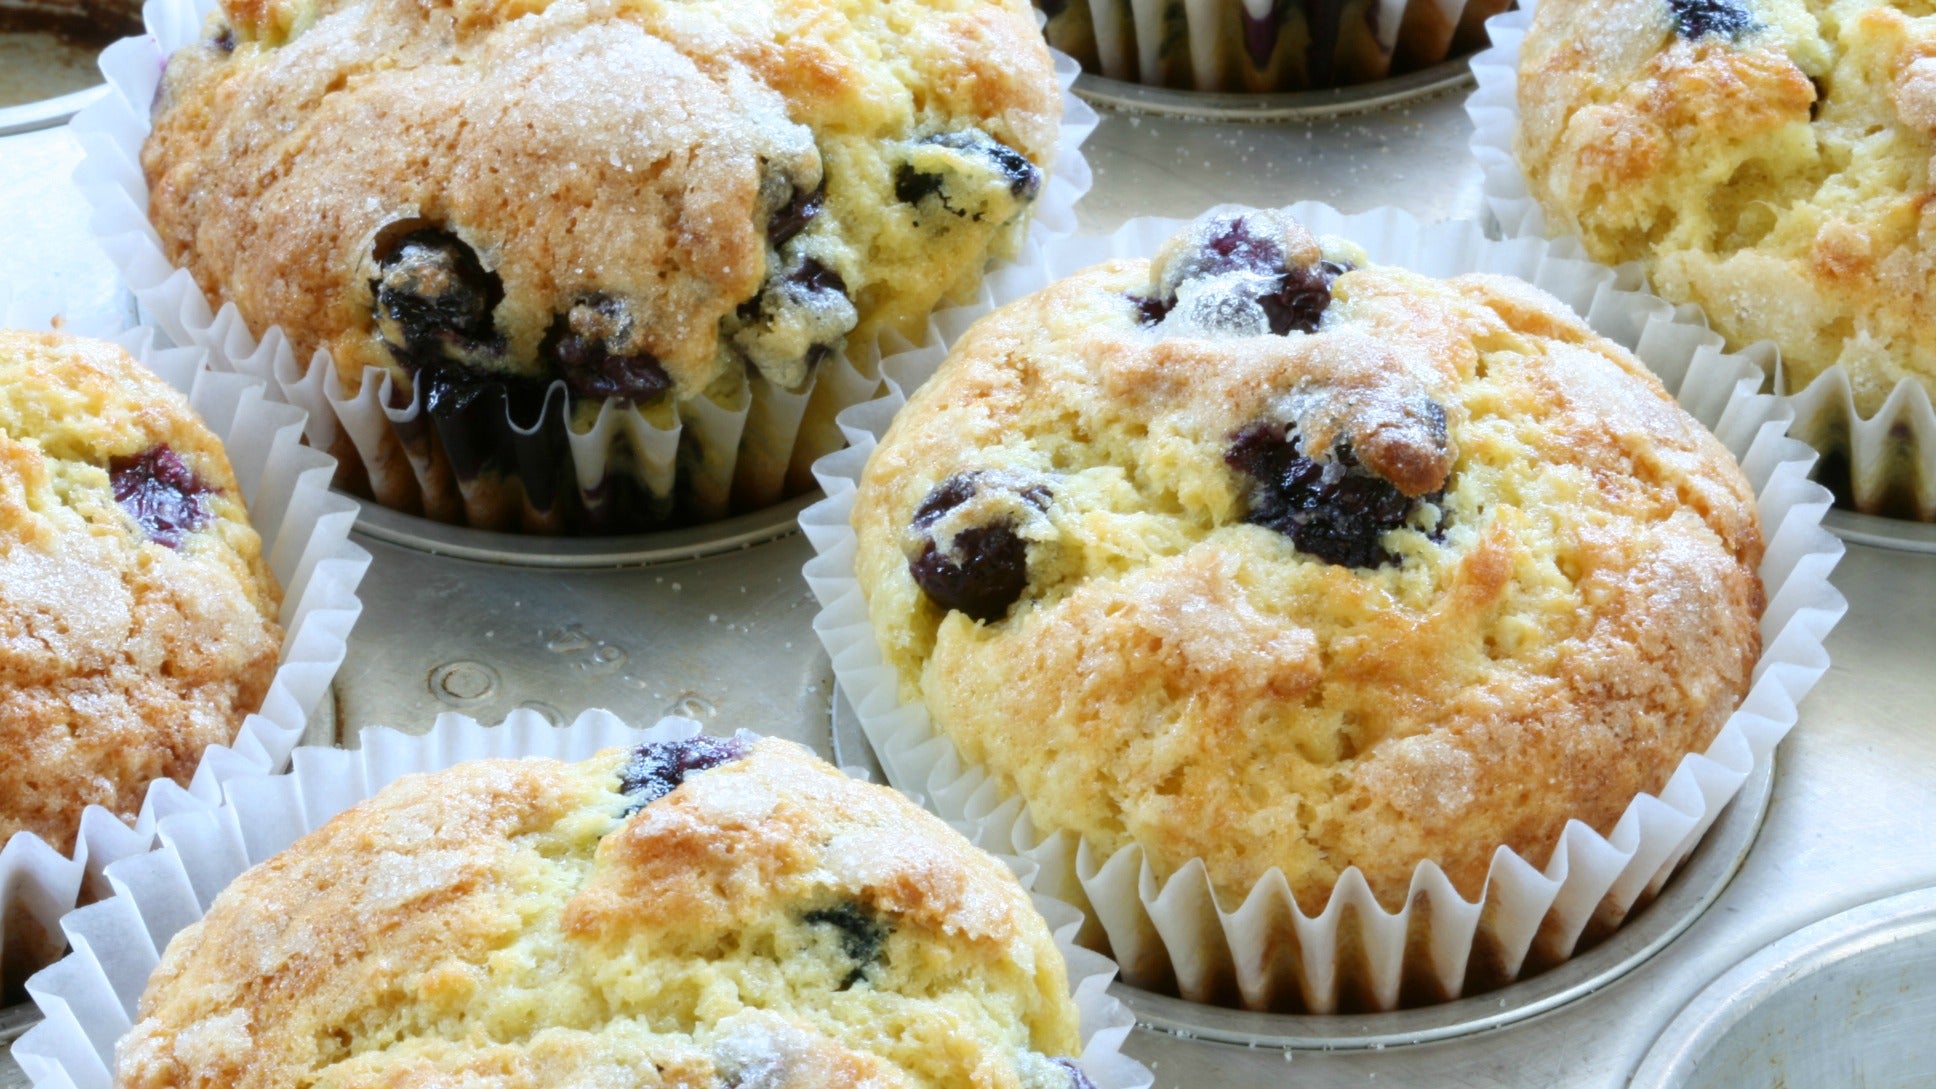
505 923
121 657
1570 607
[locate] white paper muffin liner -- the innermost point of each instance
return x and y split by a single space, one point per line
89 997
305 538
744 450
1890 457
1263 952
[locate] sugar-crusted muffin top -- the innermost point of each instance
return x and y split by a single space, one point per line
1767 159
639 198
699 913
137 617
1268 556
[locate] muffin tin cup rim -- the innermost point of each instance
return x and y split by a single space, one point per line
88 997
1789 961
408 467
1445 76
1718 388
305 531
1879 464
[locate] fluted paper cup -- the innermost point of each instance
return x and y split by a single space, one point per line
629 470
1261 950
89 997
1883 464
305 539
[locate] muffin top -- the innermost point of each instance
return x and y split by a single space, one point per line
645 200
1767 159
706 913
1261 554
137 618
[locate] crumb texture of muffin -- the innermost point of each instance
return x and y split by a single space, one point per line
644 200
706 913
1267 556
137 616
1766 159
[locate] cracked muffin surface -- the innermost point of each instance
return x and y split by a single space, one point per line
1264 555
137 616
642 199
1766 159
706 913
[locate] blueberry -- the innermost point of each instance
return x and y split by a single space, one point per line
793 217
433 296
160 493
1301 297
1151 310
1700 18
656 769
988 570
863 936
589 345
1077 1079
1024 178
224 39
1236 249
1334 509
1240 283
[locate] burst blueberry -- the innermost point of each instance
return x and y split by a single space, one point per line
1077 1079
1700 18
580 344
656 769
987 571
863 936
1333 509
434 297
161 493
1024 178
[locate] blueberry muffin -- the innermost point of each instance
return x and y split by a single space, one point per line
137 617
1766 159
707 913
1261 554
646 203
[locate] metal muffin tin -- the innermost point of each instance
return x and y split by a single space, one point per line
717 624
1446 76
1849 1001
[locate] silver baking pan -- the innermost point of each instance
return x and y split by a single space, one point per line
1850 1001
717 624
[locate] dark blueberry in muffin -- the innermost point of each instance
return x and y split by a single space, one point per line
863 936
588 346
433 296
224 39
1246 285
1700 18
988 570
657 769
160 493
1333 509
1236 249
794 216
1024 179
1300 298
813 277
1077 1079
1151 310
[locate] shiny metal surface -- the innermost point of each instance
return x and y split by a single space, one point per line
1848 1001
1117 94
1882 532
1850 808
